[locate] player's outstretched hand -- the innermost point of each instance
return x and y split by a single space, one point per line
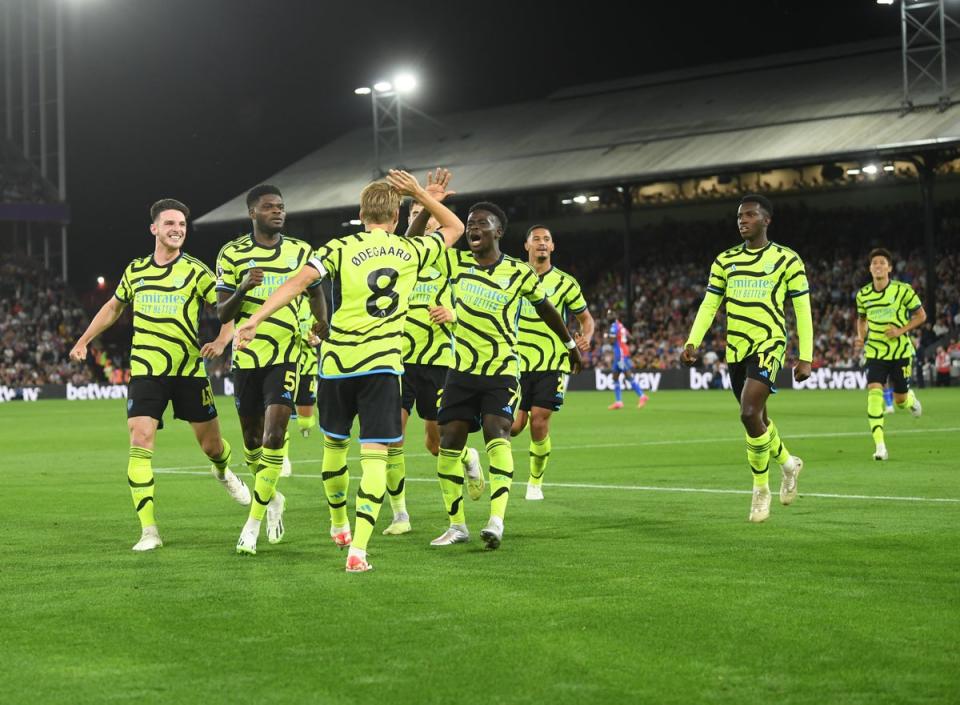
79 352
244 335
582 343
252 279
439 314
801 371
438 183
689 356
576 364
320 330
405 182
212 349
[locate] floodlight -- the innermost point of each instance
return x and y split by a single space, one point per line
567 201
884 2
101 281
580 199
870 169
362 90
853 172
889 167
594 199
405 83
382 86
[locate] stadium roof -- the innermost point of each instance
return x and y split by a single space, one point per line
801 107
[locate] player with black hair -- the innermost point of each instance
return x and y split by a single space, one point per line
482 387
887 310
543 360
752 280
265 373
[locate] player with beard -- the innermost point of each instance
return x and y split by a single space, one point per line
249 269
544 364
166 291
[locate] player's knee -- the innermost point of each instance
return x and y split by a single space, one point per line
539 428
750 416
273 438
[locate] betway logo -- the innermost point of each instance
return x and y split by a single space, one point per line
702 380
96 391
24 393
827 378
649 381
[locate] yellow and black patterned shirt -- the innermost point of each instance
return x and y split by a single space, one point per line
278 337
372 276
753 284
488 309
308 361
893 306
540 349
166 302
425 342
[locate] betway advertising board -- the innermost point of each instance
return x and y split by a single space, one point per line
600 380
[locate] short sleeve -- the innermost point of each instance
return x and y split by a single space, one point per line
574 299
206 285
124 291
531 289
226 274
912 301
429 248
325 260
861 306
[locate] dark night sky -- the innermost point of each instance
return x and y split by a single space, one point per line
200 99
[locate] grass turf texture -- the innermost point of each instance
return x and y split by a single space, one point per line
597 595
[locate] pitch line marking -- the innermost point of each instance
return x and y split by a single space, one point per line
631 488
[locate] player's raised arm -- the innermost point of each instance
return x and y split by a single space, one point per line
106 317
284 294
437 186
451 227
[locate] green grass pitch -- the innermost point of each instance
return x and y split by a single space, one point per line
638 579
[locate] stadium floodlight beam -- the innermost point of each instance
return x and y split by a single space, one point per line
884 2
580 199
870 169
383 86
889 167
362 90
853 172
405 83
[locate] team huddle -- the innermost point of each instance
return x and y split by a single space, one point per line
472 338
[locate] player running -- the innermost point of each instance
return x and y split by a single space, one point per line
544 364
373 273
249 269
887 310
166 291
427 354
752 280
482 388
623 365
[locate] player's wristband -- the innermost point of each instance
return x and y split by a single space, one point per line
571 344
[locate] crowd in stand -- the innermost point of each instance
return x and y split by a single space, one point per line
40 318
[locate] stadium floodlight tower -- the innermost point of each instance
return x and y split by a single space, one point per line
924 25
386 98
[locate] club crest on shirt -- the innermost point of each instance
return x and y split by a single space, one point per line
252 263
140 283
178 282
768 267
504 282
292 262
551 291
733 268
